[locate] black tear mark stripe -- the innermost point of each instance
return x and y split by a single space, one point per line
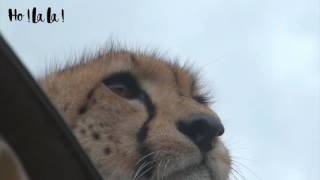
145 99
83 109
138 93
143 149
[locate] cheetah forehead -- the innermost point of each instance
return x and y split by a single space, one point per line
145 67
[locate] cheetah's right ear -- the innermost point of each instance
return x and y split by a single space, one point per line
33 128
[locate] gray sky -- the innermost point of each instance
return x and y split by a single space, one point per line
260 58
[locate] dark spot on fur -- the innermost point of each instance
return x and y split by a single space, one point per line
107 151
90 126
89 95
82 131
94 100
101 124
83 109
96 135
110 137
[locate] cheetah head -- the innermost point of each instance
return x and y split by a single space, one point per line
140 117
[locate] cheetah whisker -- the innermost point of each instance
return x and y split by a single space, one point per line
142 158
145 171
141 167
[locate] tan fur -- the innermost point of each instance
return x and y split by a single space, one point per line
108 128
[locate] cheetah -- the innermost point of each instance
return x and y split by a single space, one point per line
140 116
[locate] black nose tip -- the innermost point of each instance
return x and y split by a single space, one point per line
201 130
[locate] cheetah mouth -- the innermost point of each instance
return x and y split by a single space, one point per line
172 166
172 171
166 169
198 171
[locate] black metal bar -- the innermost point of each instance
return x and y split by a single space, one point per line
34 129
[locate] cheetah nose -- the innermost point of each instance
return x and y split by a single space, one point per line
202 129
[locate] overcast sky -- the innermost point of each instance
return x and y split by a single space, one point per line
260 58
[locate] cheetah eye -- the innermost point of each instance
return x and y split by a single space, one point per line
121 90
123 84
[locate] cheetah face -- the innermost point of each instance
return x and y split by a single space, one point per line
140 117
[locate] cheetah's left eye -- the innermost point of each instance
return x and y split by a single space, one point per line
123 84
121 90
